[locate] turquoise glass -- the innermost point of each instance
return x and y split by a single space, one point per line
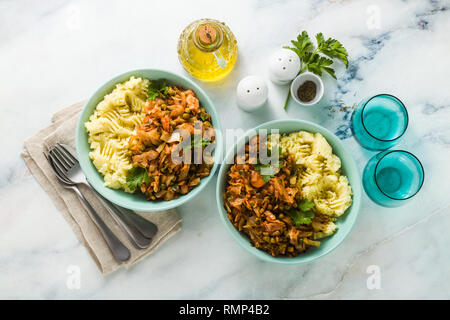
392 177
379 122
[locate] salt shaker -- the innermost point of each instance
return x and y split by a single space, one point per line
284 65
251 93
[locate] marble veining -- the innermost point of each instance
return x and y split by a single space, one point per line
57 52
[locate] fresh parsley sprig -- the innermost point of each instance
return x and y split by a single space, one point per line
303 213
267 170
136 177
158 88
317 59
196 143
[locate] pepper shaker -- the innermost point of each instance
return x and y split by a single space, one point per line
251 93
284 65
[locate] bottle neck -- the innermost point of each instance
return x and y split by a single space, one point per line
208 36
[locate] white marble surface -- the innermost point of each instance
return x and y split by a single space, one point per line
54 53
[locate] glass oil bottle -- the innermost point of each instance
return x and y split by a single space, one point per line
207 49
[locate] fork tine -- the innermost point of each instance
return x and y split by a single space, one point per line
61 176
67 152
57 171
56 154
64 154
57 161
66 160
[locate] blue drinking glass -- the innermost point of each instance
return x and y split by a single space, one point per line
379 122
392 177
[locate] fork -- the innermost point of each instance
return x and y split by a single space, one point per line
119 251
139 230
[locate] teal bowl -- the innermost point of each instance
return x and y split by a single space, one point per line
136 201
345 222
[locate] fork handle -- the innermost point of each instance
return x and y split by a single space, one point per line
133 221
119 251
137 238
147 228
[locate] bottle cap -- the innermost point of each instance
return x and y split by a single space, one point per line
208 37
207 34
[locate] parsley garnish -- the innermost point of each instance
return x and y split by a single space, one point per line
312 60
267 170
306 205
197 143
303 214
135 177
157 88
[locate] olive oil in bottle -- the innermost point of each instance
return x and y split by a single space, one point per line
207 49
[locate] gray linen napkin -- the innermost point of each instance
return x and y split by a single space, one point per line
62 130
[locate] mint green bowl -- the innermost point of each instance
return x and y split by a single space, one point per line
137 201
345 222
